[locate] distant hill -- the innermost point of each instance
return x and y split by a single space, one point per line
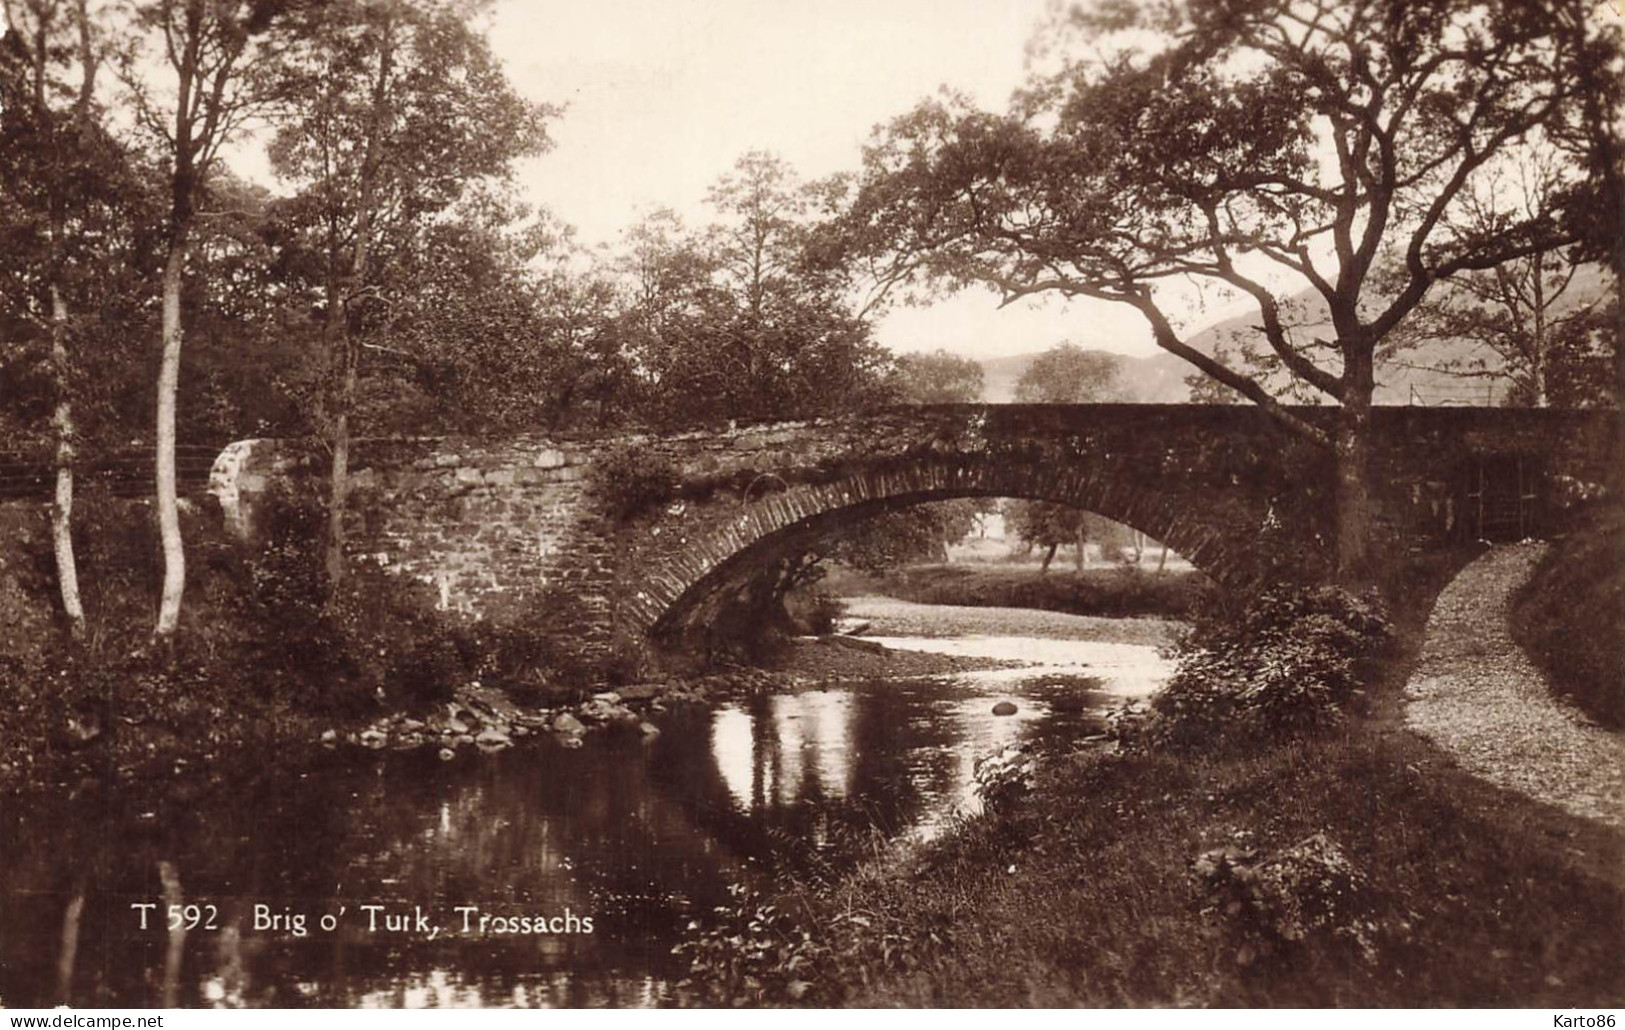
1412 379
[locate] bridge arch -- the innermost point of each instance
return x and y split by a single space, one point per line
789 521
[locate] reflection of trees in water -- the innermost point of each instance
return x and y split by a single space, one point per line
637 836
529 833
783 775
75 865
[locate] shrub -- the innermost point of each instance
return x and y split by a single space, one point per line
1004 777
376 639
1292 662
1307 895
750 952
1570 614
632 478
814 610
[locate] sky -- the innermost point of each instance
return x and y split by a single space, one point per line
662 96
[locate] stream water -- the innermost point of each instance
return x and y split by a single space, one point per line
539 876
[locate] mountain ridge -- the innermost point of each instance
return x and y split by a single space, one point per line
1161 378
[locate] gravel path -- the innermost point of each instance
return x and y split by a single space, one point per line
1476 694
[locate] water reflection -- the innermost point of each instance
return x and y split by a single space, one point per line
638 837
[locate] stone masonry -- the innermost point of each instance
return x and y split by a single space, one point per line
529 528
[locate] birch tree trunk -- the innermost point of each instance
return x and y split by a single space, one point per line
67 571
169 522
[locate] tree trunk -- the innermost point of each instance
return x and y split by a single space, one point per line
67 957
1077 559
1162 559
169 523
339 307
1617 260
1049 556
67 571
339 483
1352 450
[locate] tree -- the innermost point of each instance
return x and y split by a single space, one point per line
1595 211
937 378
56 161
1240 143
219 63
401 109
1064 374
738 320
1068 374
1521 318
493 335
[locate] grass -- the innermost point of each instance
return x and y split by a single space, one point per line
1085 895
1570 617
1094 903
1116 592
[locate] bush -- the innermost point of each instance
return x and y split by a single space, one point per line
1291 663
1121 592
1004 777
1307 895
749 952
374 640
632 478
814 610
1570 614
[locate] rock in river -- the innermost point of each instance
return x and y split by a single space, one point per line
492 739
1004 708
567 723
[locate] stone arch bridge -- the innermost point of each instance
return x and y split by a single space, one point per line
608 541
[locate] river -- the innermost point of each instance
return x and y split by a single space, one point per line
538 876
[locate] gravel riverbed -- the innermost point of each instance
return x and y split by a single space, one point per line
889 617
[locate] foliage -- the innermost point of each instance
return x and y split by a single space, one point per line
1271 906
895 538
405 129
1103 849
936 378
1004 777
1068 374
1211 140
1050 525
632 478
750 952
1292 663
1122 592
370 642
737 321
1528 319
1570 613
815 610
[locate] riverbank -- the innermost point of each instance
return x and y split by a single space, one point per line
1116 591
1569 616
1119 881
891 617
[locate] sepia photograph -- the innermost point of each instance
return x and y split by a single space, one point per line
812 504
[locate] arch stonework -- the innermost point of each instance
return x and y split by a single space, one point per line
788 521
